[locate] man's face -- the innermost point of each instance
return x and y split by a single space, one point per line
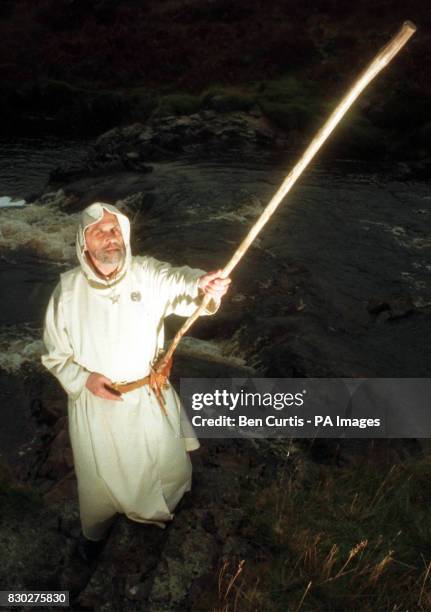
104 240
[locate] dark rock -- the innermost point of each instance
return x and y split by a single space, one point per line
179 133
51 409
391 307
171 142
26 526
61 424
187 556
60 458
132 550
136 589
131 147
75 575
63 490
419 170
377 305
69 522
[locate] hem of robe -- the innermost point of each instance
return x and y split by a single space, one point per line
191 444
135 518
161 524
92 539
103 528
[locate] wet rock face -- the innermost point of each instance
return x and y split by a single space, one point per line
135 147
177 568
204 129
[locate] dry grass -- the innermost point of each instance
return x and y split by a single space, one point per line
353 539
235 590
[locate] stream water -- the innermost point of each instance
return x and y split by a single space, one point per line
358 237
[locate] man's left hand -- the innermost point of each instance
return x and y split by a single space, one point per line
214 285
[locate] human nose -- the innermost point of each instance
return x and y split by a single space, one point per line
111 233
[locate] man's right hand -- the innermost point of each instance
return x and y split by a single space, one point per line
102 387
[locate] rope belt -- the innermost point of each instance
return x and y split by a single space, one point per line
157 381
141 382
131 386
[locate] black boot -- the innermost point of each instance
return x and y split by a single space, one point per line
89 550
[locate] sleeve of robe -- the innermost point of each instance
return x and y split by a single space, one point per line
58 356
178 288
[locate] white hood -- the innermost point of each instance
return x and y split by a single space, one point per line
90 215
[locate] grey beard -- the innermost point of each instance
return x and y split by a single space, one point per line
110 257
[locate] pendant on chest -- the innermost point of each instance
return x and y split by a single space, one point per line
114 297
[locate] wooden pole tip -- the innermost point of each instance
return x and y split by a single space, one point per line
409 25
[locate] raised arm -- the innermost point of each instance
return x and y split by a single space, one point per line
181 288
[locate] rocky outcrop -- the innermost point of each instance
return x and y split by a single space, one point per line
32 547
140 566
134 147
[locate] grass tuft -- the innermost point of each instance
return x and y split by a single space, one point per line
352 538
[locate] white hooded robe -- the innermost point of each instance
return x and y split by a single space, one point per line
129 457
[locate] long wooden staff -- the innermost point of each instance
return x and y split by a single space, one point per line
381 60
161 369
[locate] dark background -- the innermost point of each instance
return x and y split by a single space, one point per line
337 286
79 67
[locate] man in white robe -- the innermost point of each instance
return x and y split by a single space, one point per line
104 324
